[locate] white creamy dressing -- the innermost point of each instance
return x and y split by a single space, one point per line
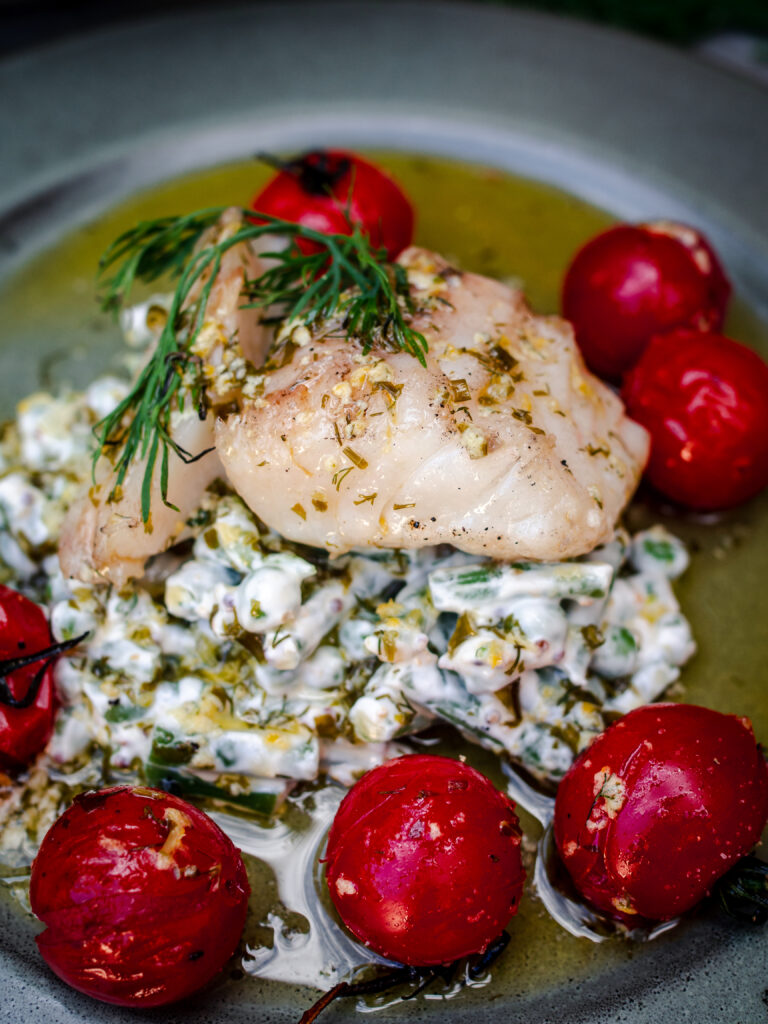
307 945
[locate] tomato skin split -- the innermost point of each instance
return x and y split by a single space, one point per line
326 189
144 897
658 807
704 400
636 280
423 860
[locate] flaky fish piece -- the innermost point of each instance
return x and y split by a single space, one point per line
502 445
104 537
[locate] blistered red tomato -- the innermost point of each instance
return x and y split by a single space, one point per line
704 400
143 895
325 189
634 281
658 807
423 860
27 702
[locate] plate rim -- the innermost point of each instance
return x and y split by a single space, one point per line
109 162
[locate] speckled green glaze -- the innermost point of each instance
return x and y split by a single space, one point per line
606 117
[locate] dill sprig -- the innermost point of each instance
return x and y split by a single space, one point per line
343 275
151 249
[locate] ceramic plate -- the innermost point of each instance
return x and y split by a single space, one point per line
637 129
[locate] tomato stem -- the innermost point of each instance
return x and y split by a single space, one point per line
316 171
421 977
326 999
743 891
47 656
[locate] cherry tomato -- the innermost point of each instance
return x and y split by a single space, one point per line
322 188
144 896
634 281
704 400
659 807
24 730
423 860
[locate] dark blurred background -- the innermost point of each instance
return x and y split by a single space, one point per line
28 23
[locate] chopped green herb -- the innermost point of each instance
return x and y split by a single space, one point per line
661 550
460 390
503 359
352 455
393 390
117 713
339 475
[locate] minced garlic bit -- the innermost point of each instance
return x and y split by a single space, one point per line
610 794
345 887
474 440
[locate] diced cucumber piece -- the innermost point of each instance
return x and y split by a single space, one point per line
486 588
169 749
263 798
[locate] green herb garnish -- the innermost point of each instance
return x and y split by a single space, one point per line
661 550
345 276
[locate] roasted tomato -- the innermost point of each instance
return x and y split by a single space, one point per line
423 860
704 400
144 896
325 189
27 704
661 805
634 281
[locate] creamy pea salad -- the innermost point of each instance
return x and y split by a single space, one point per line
242 663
